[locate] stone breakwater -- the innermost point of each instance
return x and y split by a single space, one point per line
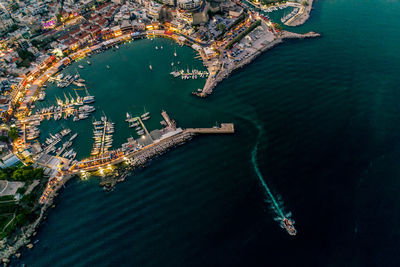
140 158
143 156
224 73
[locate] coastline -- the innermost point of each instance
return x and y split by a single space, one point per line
7 250
28 231
137 159
212 81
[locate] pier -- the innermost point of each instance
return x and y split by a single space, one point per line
145 129
225 128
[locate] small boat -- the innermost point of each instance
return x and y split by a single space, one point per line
135 124
78 84
138 128
108 66
88 99
172 64
128 117
88 62
288 225
64 132
150 67
156 47
161 47
145 115
141 132
73 137
175 53
80 66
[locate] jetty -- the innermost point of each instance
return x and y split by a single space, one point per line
137 152
225 128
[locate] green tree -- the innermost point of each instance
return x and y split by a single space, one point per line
277 27
25 54
221 27
21 219
13 133
59 16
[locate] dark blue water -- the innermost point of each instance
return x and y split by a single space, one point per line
330 118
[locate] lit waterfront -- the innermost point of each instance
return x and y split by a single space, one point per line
129 85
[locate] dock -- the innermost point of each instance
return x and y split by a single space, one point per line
145 129
225 128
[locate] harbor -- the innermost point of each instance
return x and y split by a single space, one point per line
50 134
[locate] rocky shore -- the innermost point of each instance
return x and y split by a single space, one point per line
9 248
212 81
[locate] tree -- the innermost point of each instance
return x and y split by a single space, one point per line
2 177
13 133
59 16
277 27
221 27
21 219
25 54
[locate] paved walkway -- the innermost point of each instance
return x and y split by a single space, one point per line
9 188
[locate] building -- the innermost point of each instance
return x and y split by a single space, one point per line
154 11
117 31
235 12
138 26
9 161
189 4
170 2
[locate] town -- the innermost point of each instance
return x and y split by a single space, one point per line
41 38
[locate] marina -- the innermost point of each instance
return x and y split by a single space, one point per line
74 103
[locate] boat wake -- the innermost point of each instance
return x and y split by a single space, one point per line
276 203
